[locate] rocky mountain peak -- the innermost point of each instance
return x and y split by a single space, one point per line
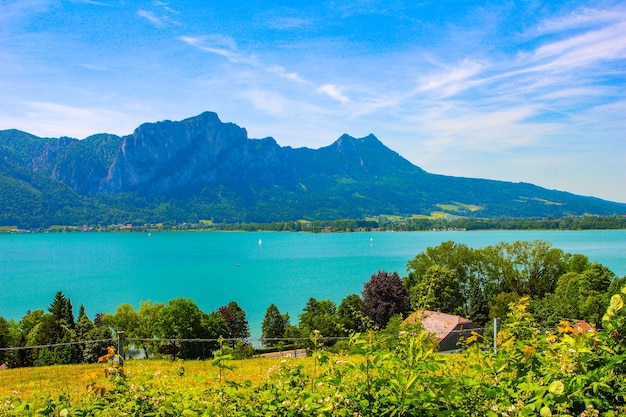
163 154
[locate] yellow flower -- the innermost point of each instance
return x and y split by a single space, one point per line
565 327
528 350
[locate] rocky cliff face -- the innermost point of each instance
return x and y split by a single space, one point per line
158 157
165 157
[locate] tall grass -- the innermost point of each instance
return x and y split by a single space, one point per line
73 381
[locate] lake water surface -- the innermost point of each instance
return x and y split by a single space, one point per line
103 270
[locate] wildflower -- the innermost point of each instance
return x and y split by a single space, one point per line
590 411
528 350
564 327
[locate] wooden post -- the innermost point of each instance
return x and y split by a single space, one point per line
120 345
496 330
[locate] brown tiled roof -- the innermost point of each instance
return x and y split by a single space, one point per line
581 326
440 324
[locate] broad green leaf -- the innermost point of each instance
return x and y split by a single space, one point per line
616 302
557 388
545 411
411 382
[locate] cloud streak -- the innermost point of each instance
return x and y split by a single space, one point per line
221 45
152 18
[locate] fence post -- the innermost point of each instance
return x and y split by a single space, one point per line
120 344
496 329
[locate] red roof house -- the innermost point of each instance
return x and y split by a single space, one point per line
447 328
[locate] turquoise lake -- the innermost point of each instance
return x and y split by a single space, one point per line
103 270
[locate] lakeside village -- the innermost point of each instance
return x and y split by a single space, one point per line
381 223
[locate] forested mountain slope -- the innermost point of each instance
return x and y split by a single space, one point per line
201 168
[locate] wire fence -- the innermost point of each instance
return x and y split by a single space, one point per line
74 380
128 347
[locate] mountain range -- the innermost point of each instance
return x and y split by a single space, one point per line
202 168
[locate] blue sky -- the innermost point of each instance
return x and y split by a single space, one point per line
523 91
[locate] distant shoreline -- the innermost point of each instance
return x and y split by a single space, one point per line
374 224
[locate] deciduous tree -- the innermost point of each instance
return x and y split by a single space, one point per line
235 319
182 319
125 319
349 314
438 289
319 315
147 327
384 295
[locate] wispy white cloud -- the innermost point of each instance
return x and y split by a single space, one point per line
542 78
584 49
580 18
376 103
451 81
220 45
92 2
17 9
166 7
333 92
151 17
226 47
162 19
96 68
283 73
268 101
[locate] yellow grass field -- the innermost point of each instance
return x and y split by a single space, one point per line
35 384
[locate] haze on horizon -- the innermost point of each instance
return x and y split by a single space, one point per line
518 91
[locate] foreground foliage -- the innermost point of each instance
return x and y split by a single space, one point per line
535 372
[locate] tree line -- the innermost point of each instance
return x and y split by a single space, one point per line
395 223
68 341
479 284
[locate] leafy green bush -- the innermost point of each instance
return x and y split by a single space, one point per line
535 372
